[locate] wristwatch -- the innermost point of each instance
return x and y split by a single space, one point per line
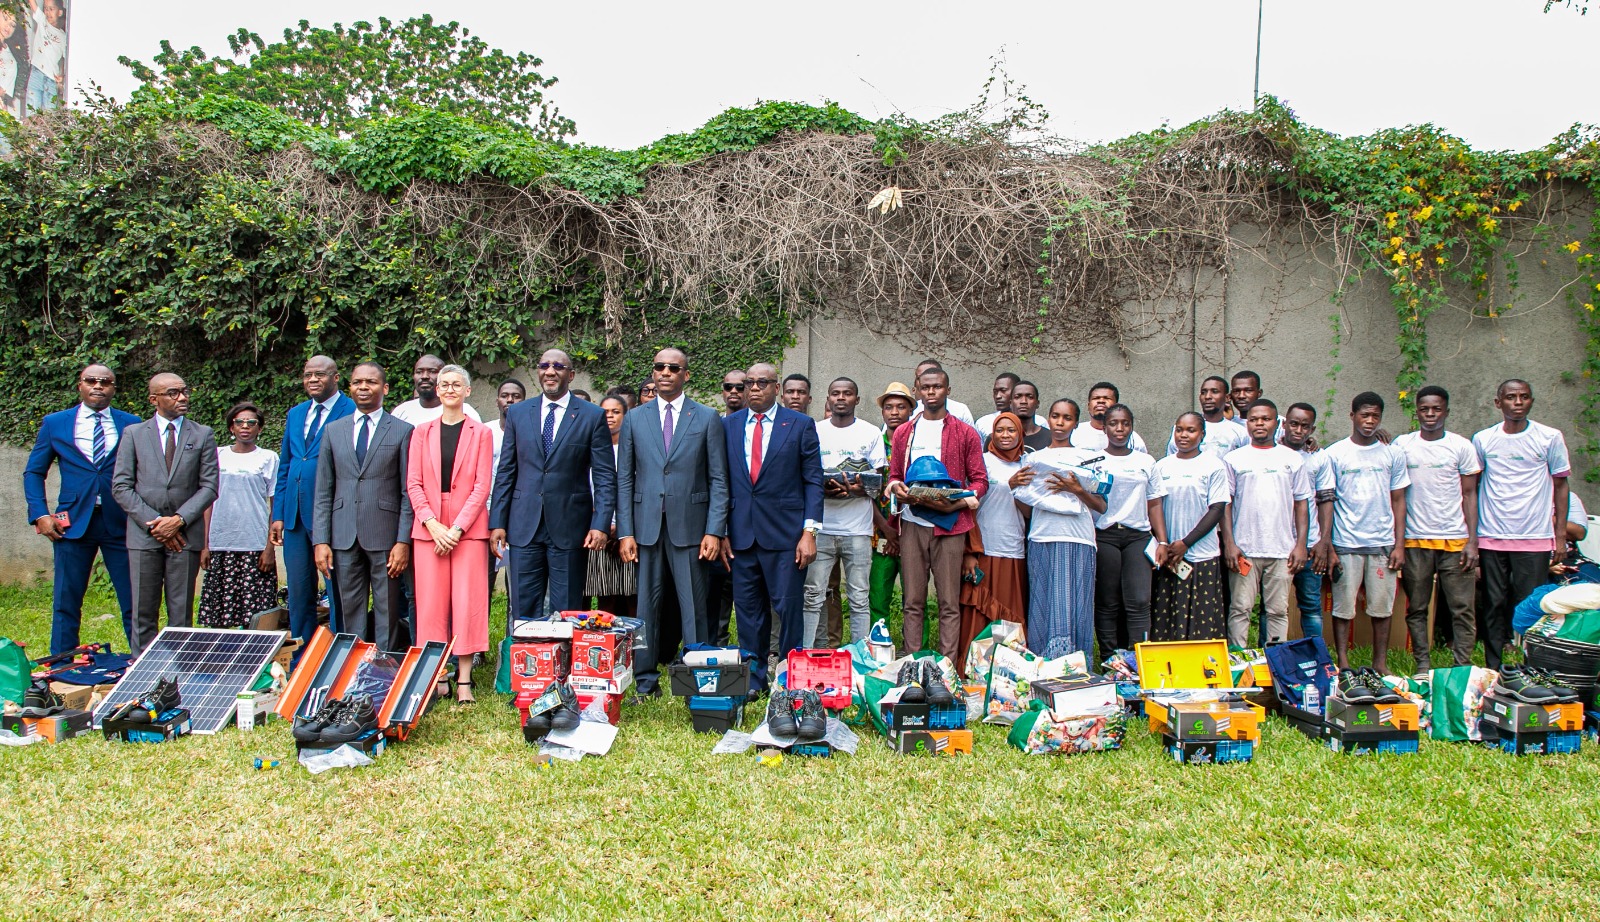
812 527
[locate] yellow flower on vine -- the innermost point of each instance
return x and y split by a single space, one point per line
1396 241
1400 257
1409 191
1424 214
1573 247
1403 394
1439 260
1489 224
1514 206
1589 308
1389 219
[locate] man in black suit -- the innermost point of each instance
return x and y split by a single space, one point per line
672 485
165 479
361 513
542 507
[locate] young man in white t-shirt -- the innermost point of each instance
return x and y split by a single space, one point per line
1264 539
1363 482
1222 434
425 407
1441 528
1103 395
1522 507
951 406
845 534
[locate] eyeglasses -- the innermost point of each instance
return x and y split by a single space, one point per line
731 386
103 382
450 386
760 383
673 367
248 423
317 375
557 366
173 393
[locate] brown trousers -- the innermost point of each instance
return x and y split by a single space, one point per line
923 554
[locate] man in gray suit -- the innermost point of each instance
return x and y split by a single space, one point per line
165 479
361 514
672 505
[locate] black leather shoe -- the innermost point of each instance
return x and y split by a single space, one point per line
780 713
1381 692
933 682
813 723
565 715
40 701
1353 688
1565 694
1515 683
910 678
309 729
355 719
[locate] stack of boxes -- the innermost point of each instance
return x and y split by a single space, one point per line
920 728
1531 729
1071 715
717 684
602 667
168 725
57 728
831 675
595 662
1371 728
1202 728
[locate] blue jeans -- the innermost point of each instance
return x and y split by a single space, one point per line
41 93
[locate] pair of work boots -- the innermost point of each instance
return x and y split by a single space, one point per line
40 701
338 721
1363 685
798 714
1532 686
149 706
923 681
562 717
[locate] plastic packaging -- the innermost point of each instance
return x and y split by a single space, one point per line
344 757
374 677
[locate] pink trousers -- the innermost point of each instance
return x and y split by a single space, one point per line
452 595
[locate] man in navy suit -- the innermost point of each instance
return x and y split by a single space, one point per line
775 477
672 508
295 494
83 441
542 506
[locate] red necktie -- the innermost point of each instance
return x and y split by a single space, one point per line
755 450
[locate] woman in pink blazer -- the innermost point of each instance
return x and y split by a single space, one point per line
451 473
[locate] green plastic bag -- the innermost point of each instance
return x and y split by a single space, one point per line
1576 626
1455 698
502 672
16 671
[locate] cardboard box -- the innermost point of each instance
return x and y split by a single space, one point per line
1346 719
1068 697
933 742
602 655
534 666
907 717
81 697
285 657
1377 742
371 743
168 726
611 703
1535 742
57 728
1208 752
1519 717
1184 664
1207 720
721 681
618 683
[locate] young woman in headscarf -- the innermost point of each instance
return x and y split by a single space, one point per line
994 572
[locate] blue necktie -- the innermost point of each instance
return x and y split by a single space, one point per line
549 428
99 437
361 441
316 425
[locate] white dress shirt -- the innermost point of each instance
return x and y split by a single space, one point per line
327 413
375 417
661 408
83 431
545 403
766 432
163 424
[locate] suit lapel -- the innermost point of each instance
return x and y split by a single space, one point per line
568 420
737 455
782 431
464 444
374 439
682 426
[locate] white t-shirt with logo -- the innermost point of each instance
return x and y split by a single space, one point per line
1087 436
1264 483
927 440
859 441
245 482
1433 503
1516 497
1361 477
1049 525
1313 461
1190 487
1133 486
1219 439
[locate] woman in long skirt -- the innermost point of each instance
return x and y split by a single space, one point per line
1001 594
1186 601
1061 554
241 566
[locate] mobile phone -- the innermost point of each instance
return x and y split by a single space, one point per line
976 578
1184 569
1244 565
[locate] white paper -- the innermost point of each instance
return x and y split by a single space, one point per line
591 736
733 742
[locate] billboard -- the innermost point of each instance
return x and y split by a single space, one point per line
33 56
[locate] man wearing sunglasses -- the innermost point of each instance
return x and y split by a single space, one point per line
296 491
82 442
672 487
165 479
542 510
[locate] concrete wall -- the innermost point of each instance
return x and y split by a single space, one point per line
1271 314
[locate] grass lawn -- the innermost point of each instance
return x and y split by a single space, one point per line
458 824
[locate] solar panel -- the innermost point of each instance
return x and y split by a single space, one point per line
211 667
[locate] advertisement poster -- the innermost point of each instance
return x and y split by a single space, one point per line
33 57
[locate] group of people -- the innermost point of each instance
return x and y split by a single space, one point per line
759 524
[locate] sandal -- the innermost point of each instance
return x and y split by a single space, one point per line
470 685
441 689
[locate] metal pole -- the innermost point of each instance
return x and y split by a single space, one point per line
1255 97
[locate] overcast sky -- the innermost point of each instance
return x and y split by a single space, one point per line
1500 73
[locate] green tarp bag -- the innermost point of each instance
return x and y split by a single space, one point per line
1455 700
16 671
1575 626
502 672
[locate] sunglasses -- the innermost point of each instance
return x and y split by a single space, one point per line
554 366
247 423
103 382
730 386
173 393
673 367
760 382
